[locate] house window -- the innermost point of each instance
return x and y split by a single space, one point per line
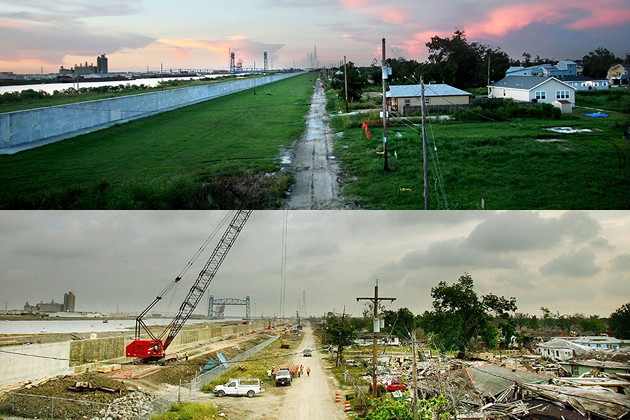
562 94
407 102
503 92
427 101
541 95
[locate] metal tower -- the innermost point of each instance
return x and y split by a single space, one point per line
217 306
266 68
232 65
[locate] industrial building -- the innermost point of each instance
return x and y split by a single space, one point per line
68 305
79 69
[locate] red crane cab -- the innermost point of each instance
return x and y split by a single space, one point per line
145 349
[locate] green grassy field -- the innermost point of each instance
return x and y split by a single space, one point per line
214 154
503 164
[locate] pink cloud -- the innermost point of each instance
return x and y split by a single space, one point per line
388 14
499 22
8 24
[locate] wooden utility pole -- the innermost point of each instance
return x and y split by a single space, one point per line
343 316
254 77
384 67
488 69
345 80
162 77
425 151
375 301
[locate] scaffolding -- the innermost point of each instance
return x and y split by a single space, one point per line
216 307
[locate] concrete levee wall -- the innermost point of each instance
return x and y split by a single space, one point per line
21 363
44 125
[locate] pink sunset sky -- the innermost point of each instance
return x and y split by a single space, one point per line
197 35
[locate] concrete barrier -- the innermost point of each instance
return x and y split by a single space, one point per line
24 130
22 363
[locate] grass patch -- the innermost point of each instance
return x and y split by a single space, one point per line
189 411
214 154
503 164
617 99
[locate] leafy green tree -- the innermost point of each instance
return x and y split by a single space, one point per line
460 316
340 331
596 63
593 323
389 409
356 82
619 322
400 323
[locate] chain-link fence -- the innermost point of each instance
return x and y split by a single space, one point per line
135 405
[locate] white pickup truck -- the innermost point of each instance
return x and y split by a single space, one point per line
239 386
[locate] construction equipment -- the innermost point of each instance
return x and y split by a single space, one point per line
154 348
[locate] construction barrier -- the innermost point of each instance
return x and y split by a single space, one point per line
337 397
347 406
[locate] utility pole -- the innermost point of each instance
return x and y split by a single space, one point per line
254 77
384 64
343 316
375 301
414 403
162 76
425 151
488 69
345 79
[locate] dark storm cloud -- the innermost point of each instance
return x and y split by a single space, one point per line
522 231
573 264
621 263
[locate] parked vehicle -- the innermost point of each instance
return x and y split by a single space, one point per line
307 353
239 386
395 385
283 377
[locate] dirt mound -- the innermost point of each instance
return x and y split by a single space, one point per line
65 403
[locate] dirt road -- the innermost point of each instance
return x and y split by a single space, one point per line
308 398
313 164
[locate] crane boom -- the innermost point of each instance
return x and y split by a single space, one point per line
155 347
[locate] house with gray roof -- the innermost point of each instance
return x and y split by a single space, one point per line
532 89
586 83
403 99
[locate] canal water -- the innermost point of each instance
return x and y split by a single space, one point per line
51 87
81 326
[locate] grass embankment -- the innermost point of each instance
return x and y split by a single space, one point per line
189 411
509 166
257 365
214 154
33 98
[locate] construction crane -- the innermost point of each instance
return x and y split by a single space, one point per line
154 348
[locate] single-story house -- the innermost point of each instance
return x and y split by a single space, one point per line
616 74
586 83
532 89
406 98
599 341
519 71
561 349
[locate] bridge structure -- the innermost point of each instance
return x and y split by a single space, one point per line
216 307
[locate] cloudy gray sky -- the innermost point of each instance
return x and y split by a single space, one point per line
571 262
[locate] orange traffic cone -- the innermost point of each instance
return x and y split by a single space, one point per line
337 397
347 406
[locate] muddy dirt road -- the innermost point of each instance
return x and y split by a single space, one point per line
308 398
313 164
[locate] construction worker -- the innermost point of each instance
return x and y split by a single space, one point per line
308 371
186 355
269 373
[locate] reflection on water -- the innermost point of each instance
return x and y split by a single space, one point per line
78 326
51 87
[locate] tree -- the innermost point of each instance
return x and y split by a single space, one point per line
619 322
340 332
592 324
400 323
455 61
356 82
596 63
460 316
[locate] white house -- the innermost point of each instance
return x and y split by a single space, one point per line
586 83
561 349
532 89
